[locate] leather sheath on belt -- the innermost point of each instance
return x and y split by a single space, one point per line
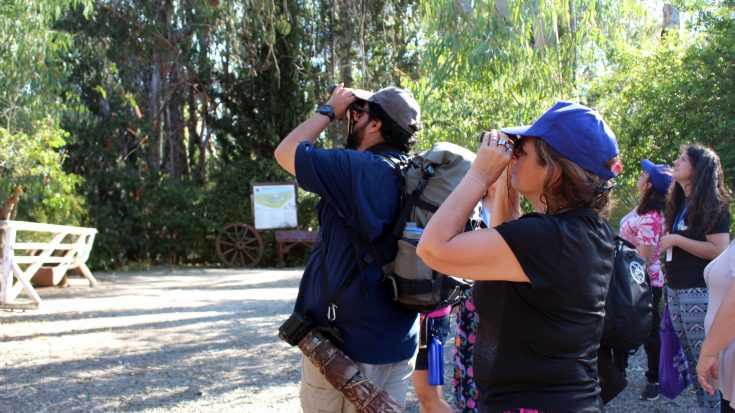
344 375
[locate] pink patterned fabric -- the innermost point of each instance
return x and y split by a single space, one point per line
645 229
440 312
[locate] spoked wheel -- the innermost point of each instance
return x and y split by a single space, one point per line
239 245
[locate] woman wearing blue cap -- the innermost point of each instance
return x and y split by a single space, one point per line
554 265
643 227
698 219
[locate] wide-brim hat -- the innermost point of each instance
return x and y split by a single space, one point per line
398 104
660 175
578 133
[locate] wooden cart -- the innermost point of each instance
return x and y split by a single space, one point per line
274 206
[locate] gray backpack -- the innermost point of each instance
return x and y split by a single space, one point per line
428 178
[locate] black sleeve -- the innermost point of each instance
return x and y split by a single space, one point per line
536 243
722 224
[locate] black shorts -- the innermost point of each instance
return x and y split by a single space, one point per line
440 325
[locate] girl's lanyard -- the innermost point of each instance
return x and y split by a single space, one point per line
679 219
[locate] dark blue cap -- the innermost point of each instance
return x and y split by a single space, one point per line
578 133
660 175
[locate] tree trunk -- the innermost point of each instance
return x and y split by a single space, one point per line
203 144
670 18
342 31
154 138
177 163
11 204
157 88
191 127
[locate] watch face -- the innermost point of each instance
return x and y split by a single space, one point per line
326 110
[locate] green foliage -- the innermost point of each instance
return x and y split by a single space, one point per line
33 163
148 219
152 220
492 64
30 73
681 92
173 108
32 144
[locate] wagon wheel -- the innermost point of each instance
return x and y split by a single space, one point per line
239 245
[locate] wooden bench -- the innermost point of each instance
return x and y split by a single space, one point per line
60 246
288 239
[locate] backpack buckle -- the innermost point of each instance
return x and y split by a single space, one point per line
391 287
332 312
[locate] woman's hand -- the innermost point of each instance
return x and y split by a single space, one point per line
494 154
707 366
708 249
669 241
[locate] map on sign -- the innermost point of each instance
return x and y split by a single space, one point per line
274 206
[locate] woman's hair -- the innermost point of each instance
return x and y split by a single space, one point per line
576 187
651 200
708 197
391 132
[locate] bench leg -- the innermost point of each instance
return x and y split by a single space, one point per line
88 274
24 281
281 253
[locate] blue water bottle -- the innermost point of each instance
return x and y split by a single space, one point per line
436 361
412 232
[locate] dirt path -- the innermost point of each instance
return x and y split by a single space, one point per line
189 341
199 340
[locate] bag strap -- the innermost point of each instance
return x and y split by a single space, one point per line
622 241
413 200
332 300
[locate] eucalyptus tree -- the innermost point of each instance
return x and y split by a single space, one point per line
276 70
493 63
681 91
32 183
30 71
139 66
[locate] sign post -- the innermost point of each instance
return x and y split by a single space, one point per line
274 205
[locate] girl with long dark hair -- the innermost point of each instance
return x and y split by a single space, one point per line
698 219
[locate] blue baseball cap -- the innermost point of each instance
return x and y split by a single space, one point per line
660 175
578 133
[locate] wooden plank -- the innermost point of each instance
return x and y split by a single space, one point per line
41 246
6 271
35 226
41 259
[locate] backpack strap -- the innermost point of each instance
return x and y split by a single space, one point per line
414 198
332 300
358 239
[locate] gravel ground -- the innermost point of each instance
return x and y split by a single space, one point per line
195 340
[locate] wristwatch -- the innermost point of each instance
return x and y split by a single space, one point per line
326 110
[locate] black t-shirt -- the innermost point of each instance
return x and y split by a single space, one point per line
686 270
550 329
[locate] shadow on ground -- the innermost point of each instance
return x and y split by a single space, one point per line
191 341
200 340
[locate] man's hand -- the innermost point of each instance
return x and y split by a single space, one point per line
341 98
310 129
